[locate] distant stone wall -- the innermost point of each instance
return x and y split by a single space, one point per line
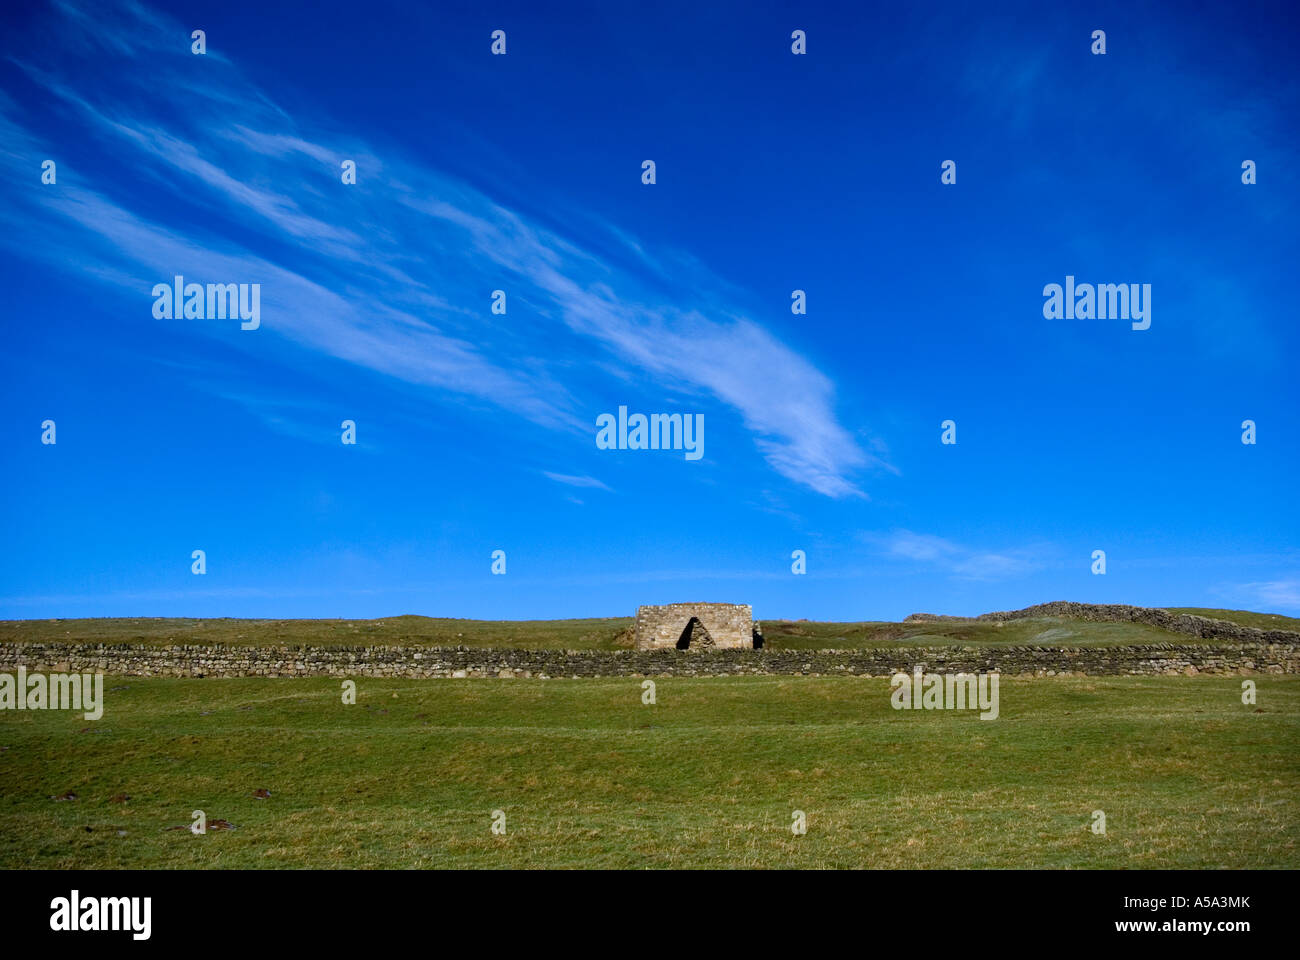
435 662
1187 623
730 625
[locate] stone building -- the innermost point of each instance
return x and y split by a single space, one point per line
695 626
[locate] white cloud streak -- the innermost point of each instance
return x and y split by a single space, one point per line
378 274
961 562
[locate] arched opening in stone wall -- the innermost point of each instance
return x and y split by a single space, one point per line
694 632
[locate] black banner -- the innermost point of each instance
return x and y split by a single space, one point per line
930 909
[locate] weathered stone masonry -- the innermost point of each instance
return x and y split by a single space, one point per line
725 626
435 662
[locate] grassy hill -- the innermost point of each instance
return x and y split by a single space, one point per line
608 633
1263 621
594 634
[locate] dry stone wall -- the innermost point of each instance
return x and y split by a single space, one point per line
436 662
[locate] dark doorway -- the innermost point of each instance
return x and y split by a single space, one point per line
694 632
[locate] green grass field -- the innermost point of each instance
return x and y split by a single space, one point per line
609 633
588 776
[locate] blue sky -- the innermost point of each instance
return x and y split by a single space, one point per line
775 172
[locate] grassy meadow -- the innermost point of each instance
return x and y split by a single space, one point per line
589 776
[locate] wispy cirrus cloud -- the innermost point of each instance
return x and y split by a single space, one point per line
575 481
958 560
1282 594
379 274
